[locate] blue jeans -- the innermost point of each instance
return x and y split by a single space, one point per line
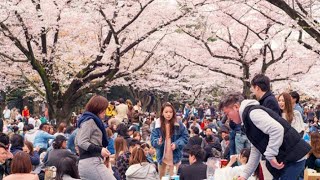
292 171
232 144
241 141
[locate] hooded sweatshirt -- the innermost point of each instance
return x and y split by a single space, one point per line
30 135
142 171
267 125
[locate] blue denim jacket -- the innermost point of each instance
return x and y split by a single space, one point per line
42 138
180 138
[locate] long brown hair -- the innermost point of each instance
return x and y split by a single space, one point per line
288 108
315 144
120 144
162 119
29 146
137 156
21 163
61 127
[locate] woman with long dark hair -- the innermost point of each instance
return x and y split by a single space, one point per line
67 169
292 116
92 141
169 137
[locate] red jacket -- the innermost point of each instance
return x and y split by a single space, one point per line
25 113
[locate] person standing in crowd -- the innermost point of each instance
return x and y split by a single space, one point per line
145 130
59 151
67 169
318 112
122 111
138 106
292 116
21 168
139 167
186 111
6 114
270 135
311 114
201 112
1 125
213 111
260 86
31 120
25 112
169 138
197 169
130 109
92 139
295 99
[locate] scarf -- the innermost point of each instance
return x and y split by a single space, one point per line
87 116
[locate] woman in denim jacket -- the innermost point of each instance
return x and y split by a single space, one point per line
168 138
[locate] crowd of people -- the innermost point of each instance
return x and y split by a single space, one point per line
248 138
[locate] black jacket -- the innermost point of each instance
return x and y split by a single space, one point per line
293 147
268 100
195 140
196 171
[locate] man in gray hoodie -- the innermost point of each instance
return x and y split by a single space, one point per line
270 136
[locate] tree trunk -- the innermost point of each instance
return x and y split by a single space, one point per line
246 83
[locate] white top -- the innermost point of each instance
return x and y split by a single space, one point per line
228 173
122 112
20 126
6 113
297 121
32 121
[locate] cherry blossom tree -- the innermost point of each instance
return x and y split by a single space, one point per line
66 49
261 47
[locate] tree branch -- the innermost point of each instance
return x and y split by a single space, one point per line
306 45
12 58
32 84
305 24
135 17
211 69
209 49
146 35
116 55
